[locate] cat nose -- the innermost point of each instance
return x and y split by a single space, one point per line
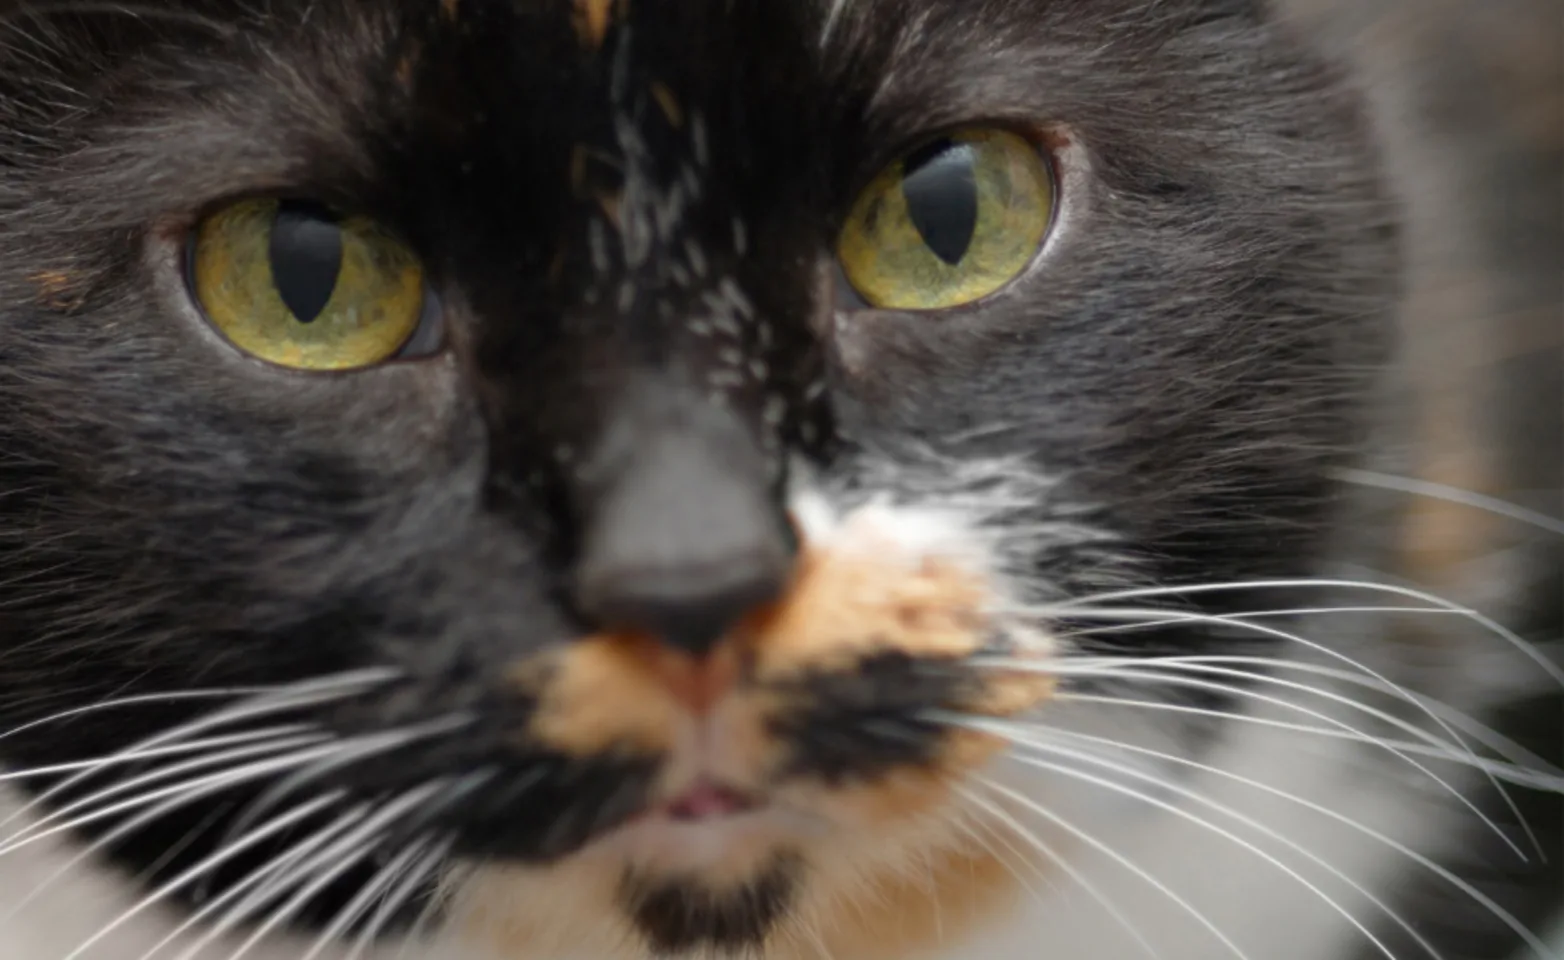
690 607
683 534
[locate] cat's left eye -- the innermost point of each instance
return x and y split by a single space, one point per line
299 285
950 223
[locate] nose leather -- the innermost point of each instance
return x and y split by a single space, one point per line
683 534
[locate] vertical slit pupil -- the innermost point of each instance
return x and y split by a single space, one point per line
306 256
940 186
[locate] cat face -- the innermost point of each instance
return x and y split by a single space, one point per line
636 453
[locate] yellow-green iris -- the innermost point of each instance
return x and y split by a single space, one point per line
296 285
950 223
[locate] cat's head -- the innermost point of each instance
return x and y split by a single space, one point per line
642 452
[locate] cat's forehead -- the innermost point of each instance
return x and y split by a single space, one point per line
894 52
284 95
345 61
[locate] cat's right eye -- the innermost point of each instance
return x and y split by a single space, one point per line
950 223
296 284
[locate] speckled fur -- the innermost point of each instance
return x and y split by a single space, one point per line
627 208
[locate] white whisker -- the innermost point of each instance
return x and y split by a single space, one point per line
354 751
1469 758
1034 743
1175 617
291 696
1554 670
1488 737
104 842
1449 494
1080 879
1121 860
183 793
1018 872
339 858
1421 860
1151 670
1518 776
141 700
136 756
1399 690
1492 739
216 860
257 878
272 700
421 873
419 931
282 875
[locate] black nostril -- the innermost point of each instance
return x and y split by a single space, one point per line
690 609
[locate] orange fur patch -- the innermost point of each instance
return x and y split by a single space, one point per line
592 18
887 874
844 607
907 914
57 290
610 203
407 65
894 797
596 695
578 169
669 104
607 691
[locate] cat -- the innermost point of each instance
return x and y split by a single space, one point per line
621 479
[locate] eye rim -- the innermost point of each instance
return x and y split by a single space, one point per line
1050 143
429 339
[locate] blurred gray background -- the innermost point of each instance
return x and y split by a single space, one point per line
1470 94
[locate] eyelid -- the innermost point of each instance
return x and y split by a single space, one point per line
429 339
846 297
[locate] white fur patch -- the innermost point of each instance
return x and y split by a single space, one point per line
50 907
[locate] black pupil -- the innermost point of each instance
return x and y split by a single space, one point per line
306 256
940 186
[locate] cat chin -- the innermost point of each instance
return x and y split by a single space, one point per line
767 876
718 852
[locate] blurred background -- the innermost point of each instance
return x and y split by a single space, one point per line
1470 94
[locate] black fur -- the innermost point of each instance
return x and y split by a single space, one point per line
856 726
684 915
1188 357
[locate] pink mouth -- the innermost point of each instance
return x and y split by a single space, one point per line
707 801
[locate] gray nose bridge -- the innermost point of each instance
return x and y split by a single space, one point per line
682 530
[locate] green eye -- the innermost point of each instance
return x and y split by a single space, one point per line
950 223
297 285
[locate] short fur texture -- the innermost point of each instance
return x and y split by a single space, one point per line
628 211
